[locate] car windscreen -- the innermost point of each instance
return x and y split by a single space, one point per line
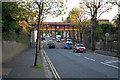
79 45
68 40
68 43
51 43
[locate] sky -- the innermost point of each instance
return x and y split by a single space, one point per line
75 3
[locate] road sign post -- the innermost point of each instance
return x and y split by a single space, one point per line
107 35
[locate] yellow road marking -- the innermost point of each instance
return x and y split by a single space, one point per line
56 75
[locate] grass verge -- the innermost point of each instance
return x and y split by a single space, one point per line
38 66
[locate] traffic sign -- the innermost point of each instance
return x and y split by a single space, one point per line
107 34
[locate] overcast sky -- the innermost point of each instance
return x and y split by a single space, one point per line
75 3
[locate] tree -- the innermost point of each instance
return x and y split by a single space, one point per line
10 26
94 8
15 20
47 7
99 32
78 18
107 27
67 20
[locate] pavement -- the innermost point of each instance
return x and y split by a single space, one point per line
103 52
21 67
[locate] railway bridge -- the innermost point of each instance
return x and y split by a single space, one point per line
66 30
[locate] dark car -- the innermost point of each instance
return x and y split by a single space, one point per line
50 41
52 45
68 46
79 48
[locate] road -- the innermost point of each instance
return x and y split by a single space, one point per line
81 65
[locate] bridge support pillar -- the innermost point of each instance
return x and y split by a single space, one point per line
55 34
77 36
69 35
42 33
66 35
51 32
73 37
62 35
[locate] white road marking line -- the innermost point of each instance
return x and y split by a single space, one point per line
112 61
110 65
89 59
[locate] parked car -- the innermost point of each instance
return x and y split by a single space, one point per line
53 38
52 45
79 48
58 36
69 41
68 46
50 41
58 40
62 39
47 36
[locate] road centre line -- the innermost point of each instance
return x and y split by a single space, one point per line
89 58
110 65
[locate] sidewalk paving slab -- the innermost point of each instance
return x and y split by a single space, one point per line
21 66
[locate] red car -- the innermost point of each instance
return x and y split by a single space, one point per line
53 38
79 48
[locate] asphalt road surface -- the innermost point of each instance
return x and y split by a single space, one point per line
81 65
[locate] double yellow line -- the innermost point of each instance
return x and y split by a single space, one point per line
55 74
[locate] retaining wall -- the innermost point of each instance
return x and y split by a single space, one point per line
10 49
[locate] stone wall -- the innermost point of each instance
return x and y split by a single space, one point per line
10 49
